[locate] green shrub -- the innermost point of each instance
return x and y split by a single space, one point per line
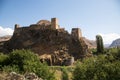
65 74
3 59
13 68
97 68
23 61
115 52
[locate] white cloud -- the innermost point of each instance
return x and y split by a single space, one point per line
108 38
5 31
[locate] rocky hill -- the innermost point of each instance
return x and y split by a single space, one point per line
52 43
115 43
91 43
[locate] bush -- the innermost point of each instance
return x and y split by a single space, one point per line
3 59
65 74
13 68
97 68
115 52
23 61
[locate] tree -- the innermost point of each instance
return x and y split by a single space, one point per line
100 46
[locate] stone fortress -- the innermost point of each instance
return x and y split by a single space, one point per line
52 43
45 24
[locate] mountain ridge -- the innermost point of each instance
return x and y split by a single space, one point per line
115 43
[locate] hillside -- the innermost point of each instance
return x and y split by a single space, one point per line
115 43
91 43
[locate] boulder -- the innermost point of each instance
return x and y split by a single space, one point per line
14 76
32 76
27 76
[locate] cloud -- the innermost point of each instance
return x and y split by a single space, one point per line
5 31
108 38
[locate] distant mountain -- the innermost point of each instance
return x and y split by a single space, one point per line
5 38
91 43
106 45
115 43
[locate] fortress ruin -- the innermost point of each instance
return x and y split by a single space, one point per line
45 24
52 43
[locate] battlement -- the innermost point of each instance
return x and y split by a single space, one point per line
76 32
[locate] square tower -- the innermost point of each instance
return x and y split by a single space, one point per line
76 32
17 26
54 23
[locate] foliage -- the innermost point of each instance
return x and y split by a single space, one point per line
23 61
94 51
8 68
99 41
65 74
115 52
3 59
98 68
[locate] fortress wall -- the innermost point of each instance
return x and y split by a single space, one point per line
36 26
20 29
61 29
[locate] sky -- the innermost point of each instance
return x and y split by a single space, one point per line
91 16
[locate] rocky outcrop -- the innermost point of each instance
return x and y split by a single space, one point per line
16 76
53 45
31 76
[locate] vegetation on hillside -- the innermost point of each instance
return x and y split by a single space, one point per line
103 66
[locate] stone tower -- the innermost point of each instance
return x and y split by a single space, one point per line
76 32
54 23
17 26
